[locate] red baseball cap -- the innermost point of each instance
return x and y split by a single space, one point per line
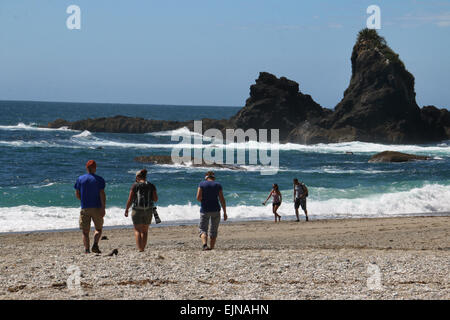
91 163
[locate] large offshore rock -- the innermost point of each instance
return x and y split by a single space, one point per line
277 104
393 156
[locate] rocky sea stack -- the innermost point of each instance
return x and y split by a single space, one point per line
277 104
379 105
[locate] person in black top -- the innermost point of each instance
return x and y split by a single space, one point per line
142 196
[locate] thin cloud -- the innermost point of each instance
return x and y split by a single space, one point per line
440 20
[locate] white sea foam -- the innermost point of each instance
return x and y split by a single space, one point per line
428 199
343 147
45 185
87 139
184 132
32 127
189 166
355 147
186 166
85 134
336 170
336 148
171 168
31 144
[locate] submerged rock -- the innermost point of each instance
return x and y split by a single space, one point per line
393 156
163 159
157 159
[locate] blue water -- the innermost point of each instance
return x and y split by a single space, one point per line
39 168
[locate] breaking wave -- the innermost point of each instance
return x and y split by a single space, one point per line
429 199
32 127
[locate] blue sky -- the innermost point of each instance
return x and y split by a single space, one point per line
209 52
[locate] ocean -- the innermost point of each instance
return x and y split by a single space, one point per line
39 167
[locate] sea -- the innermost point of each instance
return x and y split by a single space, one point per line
39 167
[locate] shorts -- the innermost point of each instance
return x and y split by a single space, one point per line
86 215
142 216
209 223
300 202
276 204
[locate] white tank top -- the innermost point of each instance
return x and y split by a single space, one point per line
298 190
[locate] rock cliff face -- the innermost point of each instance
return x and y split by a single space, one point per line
439 119
380 100
276 104
379 105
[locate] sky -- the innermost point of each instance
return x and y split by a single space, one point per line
209 52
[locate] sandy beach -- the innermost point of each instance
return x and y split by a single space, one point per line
383 258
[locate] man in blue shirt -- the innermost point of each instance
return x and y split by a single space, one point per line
90 190
209 193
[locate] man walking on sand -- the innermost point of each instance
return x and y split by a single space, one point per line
300 194
90 190
209 193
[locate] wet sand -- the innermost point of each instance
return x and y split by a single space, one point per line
383 258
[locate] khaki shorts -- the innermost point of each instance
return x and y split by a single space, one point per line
142 216
86 215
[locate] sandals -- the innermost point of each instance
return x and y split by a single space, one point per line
95 248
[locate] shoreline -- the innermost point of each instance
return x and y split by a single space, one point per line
248 220
320 259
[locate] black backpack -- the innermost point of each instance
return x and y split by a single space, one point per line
143 195
305 190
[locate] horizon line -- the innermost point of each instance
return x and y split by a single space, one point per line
124 103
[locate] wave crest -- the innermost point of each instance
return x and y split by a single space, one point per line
31 127
429 199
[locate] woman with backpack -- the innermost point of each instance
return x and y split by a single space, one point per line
276 201
142 196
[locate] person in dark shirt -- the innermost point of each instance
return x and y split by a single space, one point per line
142 196
209 193
300 194
90 190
